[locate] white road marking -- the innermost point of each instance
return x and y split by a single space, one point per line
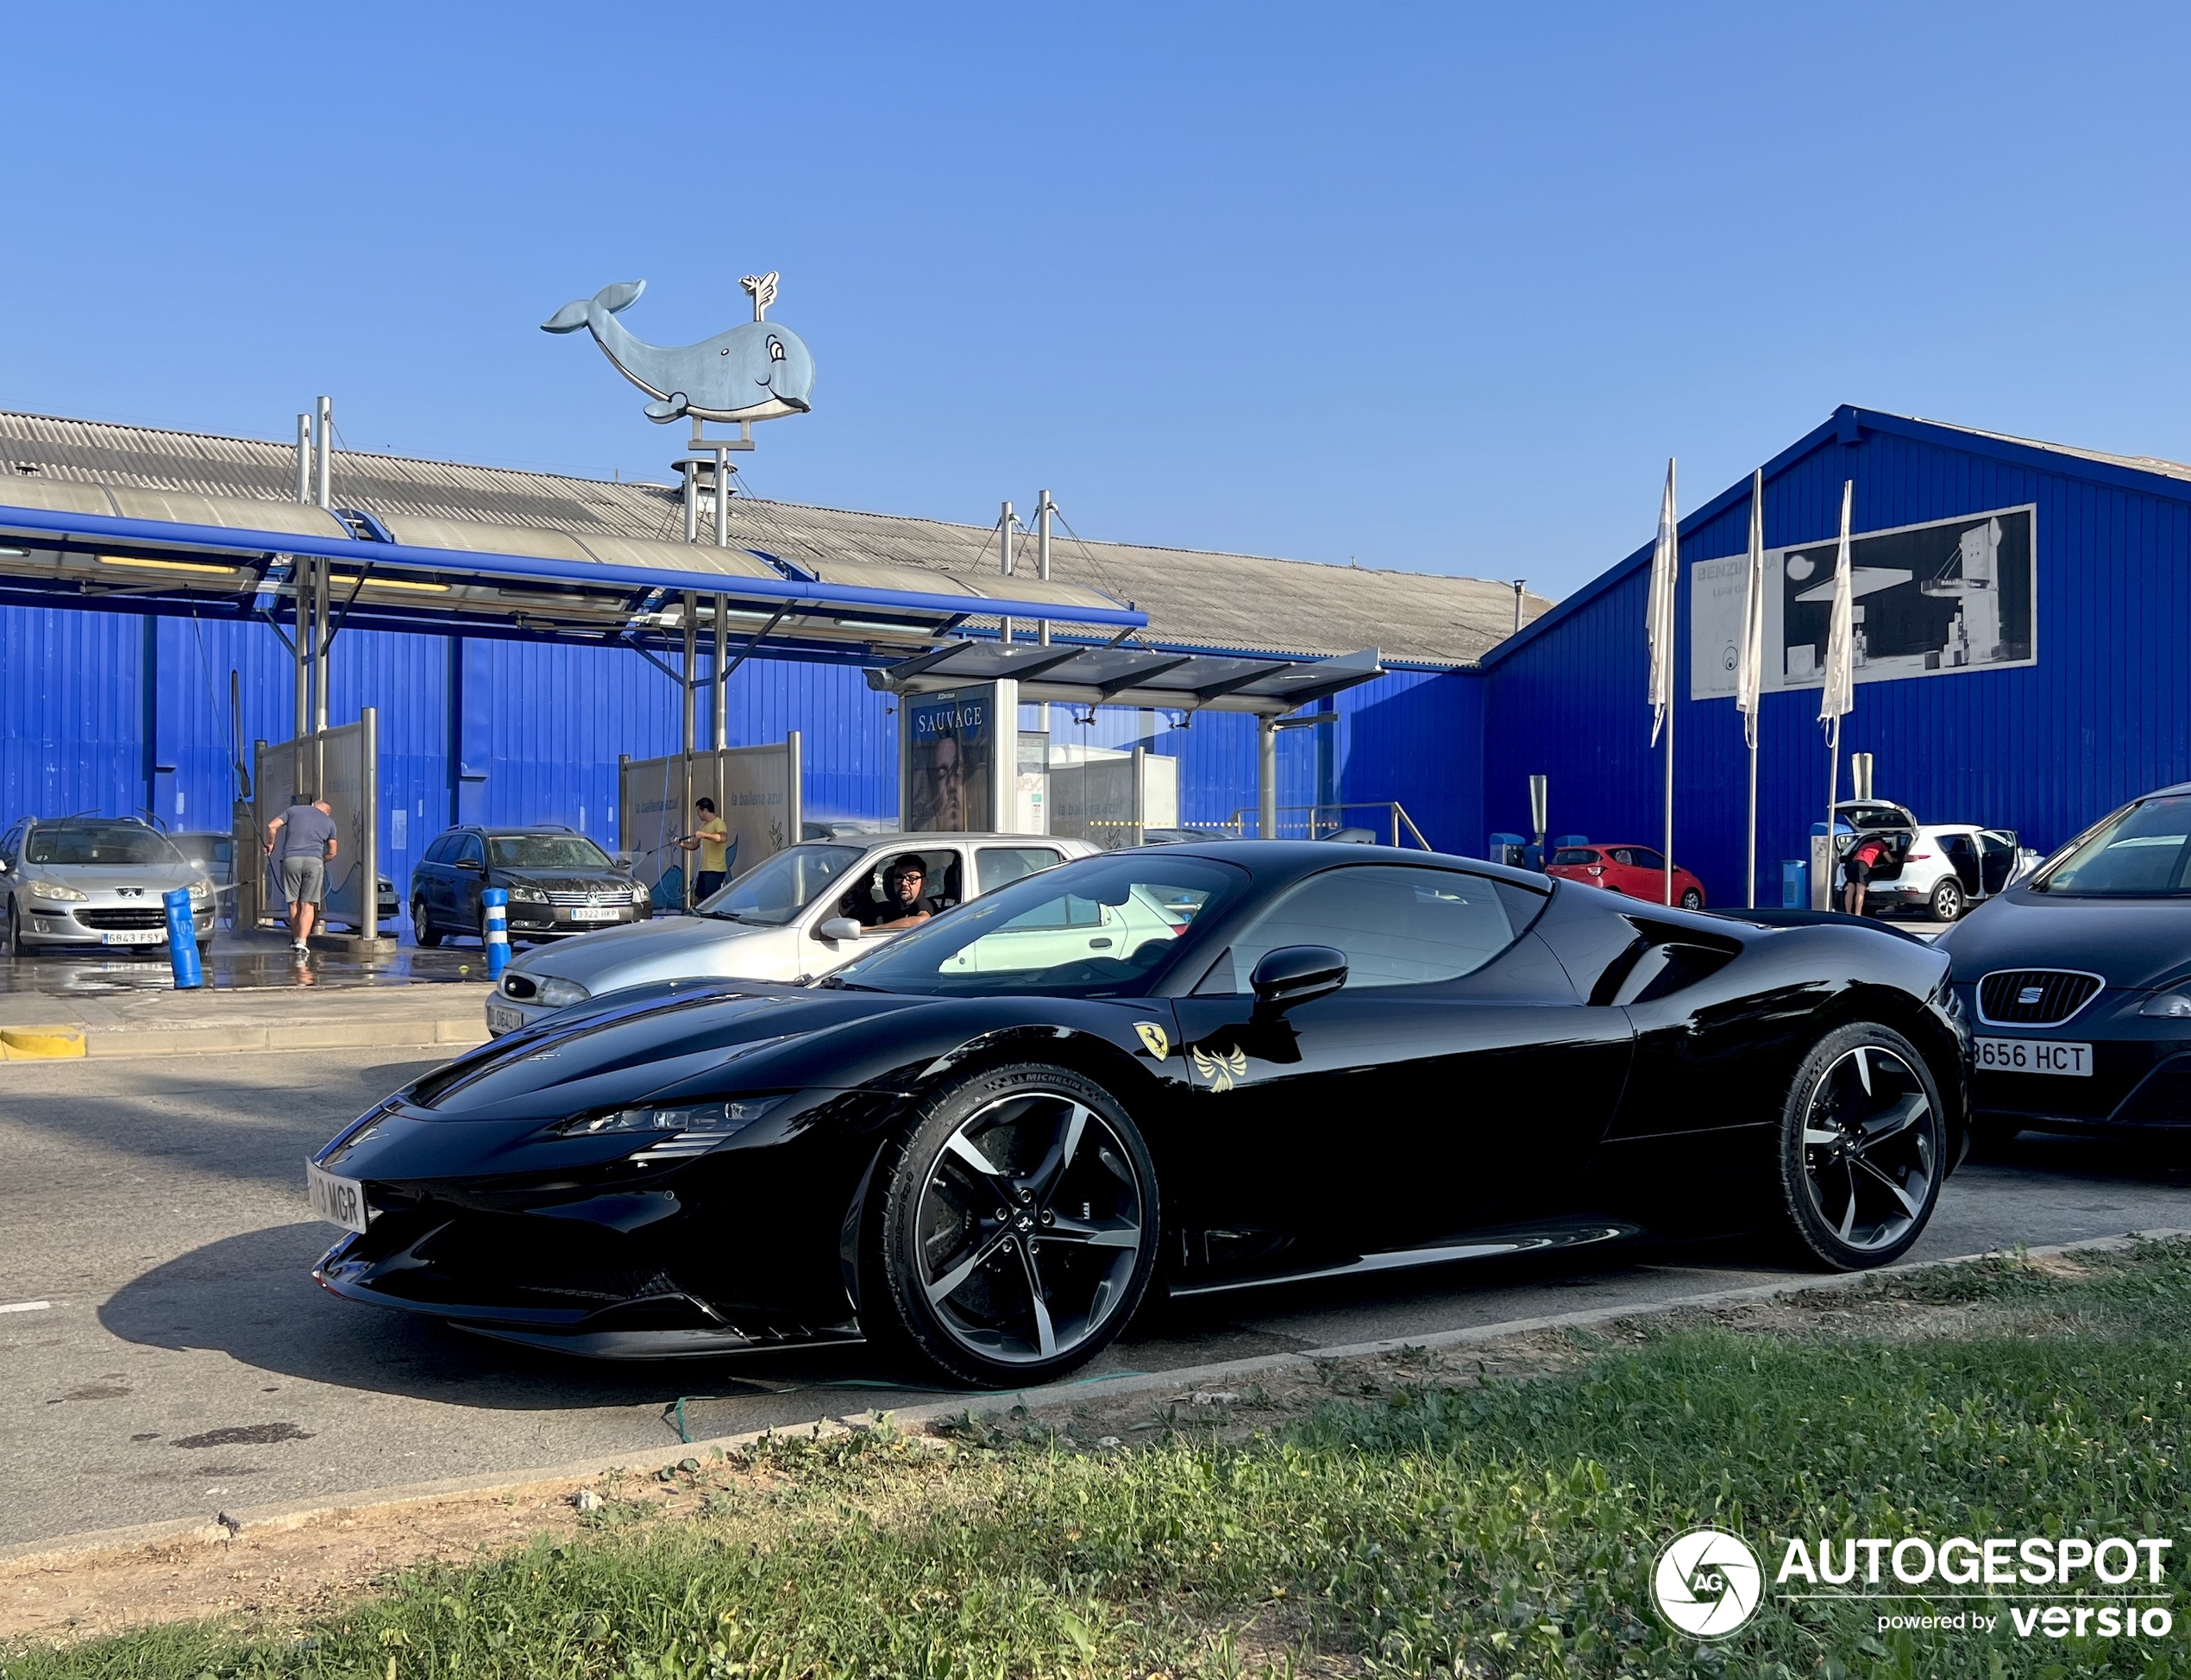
26 1307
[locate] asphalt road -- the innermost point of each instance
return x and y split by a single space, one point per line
187 1364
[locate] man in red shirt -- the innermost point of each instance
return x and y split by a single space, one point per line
1857 870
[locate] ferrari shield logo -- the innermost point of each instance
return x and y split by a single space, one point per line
1154 1038
1222 1069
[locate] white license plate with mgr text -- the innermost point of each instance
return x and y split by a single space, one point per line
2032 1055
338 1201
593 912
133 935
500 1017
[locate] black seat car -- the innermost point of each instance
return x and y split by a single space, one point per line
559 883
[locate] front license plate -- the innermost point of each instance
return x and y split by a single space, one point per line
2033 1056
338 1201
593 912
133 935
500 1017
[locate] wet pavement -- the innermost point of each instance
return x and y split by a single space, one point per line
240 963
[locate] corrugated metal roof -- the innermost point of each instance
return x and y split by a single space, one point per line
1194 598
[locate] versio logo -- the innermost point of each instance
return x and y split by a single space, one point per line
1708 1582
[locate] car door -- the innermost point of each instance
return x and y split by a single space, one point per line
1961 851
1996 859
467 877
1454 1082
1646 874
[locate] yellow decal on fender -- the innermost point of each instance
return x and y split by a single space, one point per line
1154 1037
1222 1069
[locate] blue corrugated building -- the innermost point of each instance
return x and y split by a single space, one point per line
2082 699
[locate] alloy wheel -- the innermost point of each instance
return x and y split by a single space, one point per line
1867 1147
1030 1228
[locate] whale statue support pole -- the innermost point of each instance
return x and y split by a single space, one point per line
759 371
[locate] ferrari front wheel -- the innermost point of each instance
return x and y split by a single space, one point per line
1863 1147
1019 1227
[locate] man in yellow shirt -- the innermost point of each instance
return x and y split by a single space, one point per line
709 838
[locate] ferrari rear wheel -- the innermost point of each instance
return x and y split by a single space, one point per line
1019 1226
1863 1147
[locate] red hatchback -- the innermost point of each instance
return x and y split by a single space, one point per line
1638 871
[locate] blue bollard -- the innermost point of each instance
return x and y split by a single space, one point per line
182 940
497 902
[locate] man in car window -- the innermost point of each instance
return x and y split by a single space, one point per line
903 882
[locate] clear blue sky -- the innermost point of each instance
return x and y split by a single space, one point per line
1437 287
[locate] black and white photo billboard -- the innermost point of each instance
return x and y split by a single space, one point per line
1949 595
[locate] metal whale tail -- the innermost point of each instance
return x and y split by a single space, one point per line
611 299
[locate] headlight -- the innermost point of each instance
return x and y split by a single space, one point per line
53 889
528 895
639 892
556 994
2167 1006
702 1124
201 888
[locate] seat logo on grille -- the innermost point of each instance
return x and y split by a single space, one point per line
2031 995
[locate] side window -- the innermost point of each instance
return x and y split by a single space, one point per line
436 850
1621 856
1399 925
1644 858
469 850
994 865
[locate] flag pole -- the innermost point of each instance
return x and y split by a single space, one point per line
1671 639
1750 680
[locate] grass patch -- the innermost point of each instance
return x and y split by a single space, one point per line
1447 1527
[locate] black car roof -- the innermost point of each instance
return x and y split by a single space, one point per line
1305 856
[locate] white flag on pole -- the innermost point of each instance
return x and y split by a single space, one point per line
1840 696
1659 620
1750 672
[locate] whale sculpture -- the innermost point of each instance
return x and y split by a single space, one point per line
756 372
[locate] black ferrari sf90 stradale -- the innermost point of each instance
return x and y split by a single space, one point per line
1209 1066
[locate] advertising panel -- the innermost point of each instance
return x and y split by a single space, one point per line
1946 596
753 788
950 773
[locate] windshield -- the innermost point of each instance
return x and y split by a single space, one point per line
2143 852
107 842
773 892
546 851
1103 926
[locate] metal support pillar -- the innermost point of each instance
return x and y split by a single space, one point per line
1266 778
691 617
722 497
1004 555
1043 507
369 830
721 735
300 575
794 802
692 500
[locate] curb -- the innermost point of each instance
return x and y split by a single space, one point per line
28 1556
37 1043
112 1043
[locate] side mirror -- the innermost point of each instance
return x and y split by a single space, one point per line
3 865
839 927
1297 973
472 863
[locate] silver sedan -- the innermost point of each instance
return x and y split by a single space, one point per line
74 883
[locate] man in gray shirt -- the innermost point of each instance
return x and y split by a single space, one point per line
299 843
